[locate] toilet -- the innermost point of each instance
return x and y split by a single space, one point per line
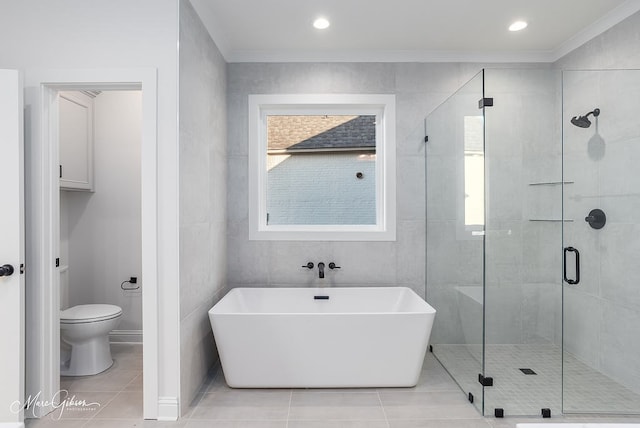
85 329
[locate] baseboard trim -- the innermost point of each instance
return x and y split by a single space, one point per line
125 336
168 409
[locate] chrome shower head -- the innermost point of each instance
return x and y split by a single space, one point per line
583 121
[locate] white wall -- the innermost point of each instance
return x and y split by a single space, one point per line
203 189
69 34
103 227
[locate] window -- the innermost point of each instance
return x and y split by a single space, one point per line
474 174
322 167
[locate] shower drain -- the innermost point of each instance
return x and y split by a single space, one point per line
528 371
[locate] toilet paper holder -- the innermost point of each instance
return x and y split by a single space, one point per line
132 280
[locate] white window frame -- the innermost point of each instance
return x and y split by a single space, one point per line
381 105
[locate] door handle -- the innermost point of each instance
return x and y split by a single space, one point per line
572 250
6 270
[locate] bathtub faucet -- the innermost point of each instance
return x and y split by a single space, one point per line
321 266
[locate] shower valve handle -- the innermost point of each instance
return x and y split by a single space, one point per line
308 265
332 265
596 218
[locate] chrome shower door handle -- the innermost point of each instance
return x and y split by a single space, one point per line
567 280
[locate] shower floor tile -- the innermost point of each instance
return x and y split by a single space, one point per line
586 390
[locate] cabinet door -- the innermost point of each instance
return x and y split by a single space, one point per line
76 141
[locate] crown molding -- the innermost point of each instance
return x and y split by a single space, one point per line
236 56
603 24
209 19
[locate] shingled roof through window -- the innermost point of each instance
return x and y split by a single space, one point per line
304 133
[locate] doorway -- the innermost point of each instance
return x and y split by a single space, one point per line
100 249
43 298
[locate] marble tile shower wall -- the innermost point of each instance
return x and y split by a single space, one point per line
419 88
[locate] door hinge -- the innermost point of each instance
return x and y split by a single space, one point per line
22 268
60 171
485 102
485 381
426 138
57 262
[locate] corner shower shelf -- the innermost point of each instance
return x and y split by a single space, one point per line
550 183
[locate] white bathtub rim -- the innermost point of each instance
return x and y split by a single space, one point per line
215 310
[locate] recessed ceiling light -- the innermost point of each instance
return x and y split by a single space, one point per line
518 25
321 23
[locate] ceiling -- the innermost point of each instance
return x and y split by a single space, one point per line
406 30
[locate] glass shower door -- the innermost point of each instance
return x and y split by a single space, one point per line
522 288
601 241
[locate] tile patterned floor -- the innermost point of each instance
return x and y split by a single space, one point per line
436 402
518 394
117 393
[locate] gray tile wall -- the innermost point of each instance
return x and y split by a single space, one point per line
523 149
203 188
419 88
603 310
454 257
602 313
522 146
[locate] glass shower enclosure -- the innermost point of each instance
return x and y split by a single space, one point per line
533 240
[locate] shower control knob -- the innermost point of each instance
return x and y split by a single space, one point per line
596 218
332 265
308 265
6 270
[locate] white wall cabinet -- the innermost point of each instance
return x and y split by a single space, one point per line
76 141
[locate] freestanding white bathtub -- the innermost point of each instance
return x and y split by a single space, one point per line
321 337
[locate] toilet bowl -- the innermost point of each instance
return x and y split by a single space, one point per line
85 328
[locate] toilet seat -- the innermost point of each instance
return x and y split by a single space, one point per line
82 314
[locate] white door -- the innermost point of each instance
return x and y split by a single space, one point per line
12 307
